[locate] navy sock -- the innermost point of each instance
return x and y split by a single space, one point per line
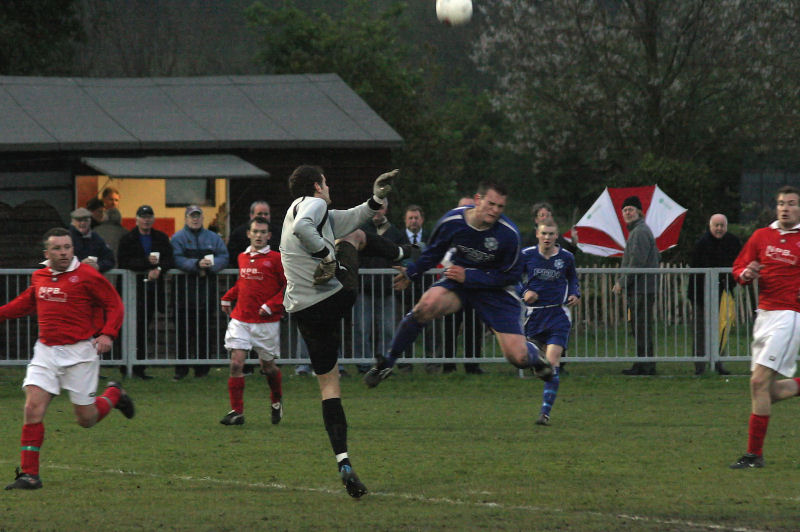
550 392
407 331
533 356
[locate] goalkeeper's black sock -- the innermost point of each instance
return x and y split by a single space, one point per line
377 246
336 426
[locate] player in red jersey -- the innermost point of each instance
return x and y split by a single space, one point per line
79 315
255 320
772 255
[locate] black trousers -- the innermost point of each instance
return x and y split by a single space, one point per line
642 320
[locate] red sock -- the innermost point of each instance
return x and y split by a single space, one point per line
275 388
31 440
107 401
236 393
757 433
797 380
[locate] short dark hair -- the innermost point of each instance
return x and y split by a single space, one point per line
486 186
94 204
108 191
787 189
301 182
415 207
257 202
55 231
258 220
538 206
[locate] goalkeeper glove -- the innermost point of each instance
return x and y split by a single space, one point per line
325 270
383 185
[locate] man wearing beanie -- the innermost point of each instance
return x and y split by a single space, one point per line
640 289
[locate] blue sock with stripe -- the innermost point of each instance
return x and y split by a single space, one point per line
550 392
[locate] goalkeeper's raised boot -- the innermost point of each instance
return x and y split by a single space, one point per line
355 488
25 481
233 418
377 373
125 403
748 461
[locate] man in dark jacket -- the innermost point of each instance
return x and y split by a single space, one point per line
717 248
640 289
148 252
90 248
238 241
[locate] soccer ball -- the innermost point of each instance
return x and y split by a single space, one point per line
454 12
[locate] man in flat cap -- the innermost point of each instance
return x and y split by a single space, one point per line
640 289
201 254
89 247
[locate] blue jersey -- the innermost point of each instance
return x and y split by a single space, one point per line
491 257
554 279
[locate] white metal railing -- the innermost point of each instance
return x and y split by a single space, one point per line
179 321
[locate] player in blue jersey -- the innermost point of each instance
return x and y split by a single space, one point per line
550 288
480 248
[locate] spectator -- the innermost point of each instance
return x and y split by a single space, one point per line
717 248
771 256
374 311
414 234
315 240
640 289
201 254
147 252
89 247
110 198
79 314
542 211
414 218
111 230
238 241
95 206
255 321
550 288
472 325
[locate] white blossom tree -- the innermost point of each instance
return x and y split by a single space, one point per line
597 84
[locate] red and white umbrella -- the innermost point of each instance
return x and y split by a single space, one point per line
602 231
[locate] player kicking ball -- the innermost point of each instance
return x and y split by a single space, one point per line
550 289
255 320
79 315
483 246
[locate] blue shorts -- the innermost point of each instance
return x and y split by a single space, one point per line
548 325
499 308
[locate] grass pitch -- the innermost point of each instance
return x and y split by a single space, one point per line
454 452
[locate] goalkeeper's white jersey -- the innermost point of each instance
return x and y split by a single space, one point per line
309 233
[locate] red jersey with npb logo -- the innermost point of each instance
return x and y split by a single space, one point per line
72 306
778 251
261 283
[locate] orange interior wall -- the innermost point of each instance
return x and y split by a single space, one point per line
85 189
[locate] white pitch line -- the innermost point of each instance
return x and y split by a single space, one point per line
406 496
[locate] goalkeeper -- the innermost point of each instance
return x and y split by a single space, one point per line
322 279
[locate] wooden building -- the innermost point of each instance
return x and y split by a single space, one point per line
168 142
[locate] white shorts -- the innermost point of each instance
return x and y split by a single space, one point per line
74 367
264 338
776 340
